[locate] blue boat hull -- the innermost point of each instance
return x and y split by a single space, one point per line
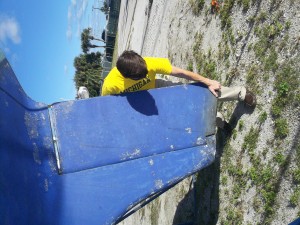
91 161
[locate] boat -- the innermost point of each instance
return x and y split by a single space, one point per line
97 160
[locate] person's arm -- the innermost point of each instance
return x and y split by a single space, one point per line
212 85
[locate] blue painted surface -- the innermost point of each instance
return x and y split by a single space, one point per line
90 161
296 222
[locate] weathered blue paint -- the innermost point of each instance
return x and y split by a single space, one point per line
91 161
295 222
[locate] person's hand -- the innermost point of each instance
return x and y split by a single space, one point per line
214 86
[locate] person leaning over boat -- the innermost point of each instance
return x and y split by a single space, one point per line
135 73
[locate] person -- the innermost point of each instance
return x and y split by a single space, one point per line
135 73
214 6
83 93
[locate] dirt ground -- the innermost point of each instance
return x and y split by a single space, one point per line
169 28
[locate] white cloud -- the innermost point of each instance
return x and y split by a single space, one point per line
81 9
9 29
69 33
76 12
70 15
69 29
66 69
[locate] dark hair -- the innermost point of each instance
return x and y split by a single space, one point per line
132 65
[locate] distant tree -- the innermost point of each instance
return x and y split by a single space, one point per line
86 38
105 8
88 72
97 39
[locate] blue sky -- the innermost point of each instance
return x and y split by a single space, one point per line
41 40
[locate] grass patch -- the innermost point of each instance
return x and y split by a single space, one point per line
197 6
227 156
250 144
287 84
262 17
281 128
296 172
295 198
280 159
225 13
252 78
234 134
233 73
245 4
224 51
270 63
190 66
262 117
241 125
234 215
265 179
296 175
267 34
206 65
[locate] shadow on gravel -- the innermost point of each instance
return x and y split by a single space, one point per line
239 110
201 204
185 211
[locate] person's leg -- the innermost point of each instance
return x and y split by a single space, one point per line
232 93
221 123
237 93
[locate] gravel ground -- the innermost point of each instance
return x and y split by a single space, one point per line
168 29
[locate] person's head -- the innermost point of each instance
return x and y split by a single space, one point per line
132 65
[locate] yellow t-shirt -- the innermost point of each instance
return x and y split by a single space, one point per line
115 83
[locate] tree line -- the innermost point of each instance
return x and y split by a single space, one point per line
88 66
